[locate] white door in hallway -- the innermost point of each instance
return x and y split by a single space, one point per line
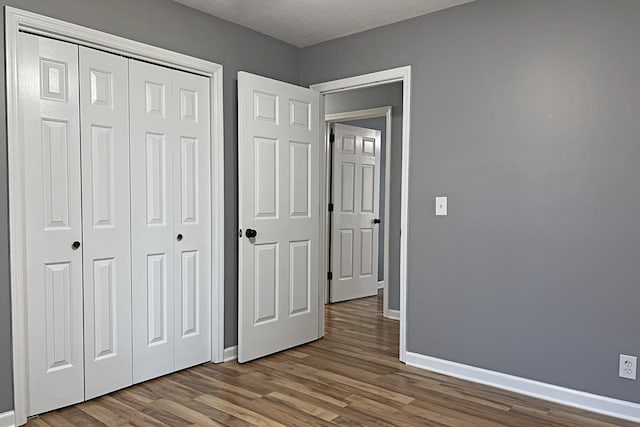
356 200
279 184
170 220
50 118
104 108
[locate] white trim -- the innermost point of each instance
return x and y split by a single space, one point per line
230 353
21 20
365 80
402 74
326 229
393 314
369 113
8 419
325 262
217 217
380 284
17 20
553 393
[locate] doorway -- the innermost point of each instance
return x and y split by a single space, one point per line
343 87
377 119
283 216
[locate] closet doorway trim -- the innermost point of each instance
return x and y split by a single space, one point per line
17 20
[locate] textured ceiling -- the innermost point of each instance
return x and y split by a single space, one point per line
307 22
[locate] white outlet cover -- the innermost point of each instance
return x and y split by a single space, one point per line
628 366
441 206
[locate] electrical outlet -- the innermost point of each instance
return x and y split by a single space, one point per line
628 366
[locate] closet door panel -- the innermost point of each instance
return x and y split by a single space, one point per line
171 219
192 217
104 107
48 89
152 130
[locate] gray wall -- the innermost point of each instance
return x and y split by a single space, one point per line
526 114
378 123
372 97
172 26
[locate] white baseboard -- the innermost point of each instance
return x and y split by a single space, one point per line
565 396
393 314
230 353
381 284
7 419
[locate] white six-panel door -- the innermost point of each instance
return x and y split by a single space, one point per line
356 199
50 118
170 219
279 175
104 108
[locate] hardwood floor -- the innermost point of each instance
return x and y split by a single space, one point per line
351 377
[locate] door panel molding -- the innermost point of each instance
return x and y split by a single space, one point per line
17 20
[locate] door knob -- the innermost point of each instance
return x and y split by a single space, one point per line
250 233
179 237
75 245
376 221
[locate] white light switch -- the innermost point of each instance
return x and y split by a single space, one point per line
441 206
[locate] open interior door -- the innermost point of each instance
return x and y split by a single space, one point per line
279 193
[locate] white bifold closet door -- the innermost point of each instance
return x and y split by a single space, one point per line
77 204
170 219
104 109
49 111
118 217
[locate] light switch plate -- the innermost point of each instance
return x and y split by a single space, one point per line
441 206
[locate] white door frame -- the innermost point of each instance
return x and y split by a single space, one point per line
17 20
369 114
401 74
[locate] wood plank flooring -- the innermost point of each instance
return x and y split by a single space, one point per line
351 377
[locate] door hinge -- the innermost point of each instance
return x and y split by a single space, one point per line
332 137
330 207
240 233
329 276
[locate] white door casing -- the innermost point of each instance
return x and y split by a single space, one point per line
49 123
170 221
104 108
192 219
356 199
279 181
